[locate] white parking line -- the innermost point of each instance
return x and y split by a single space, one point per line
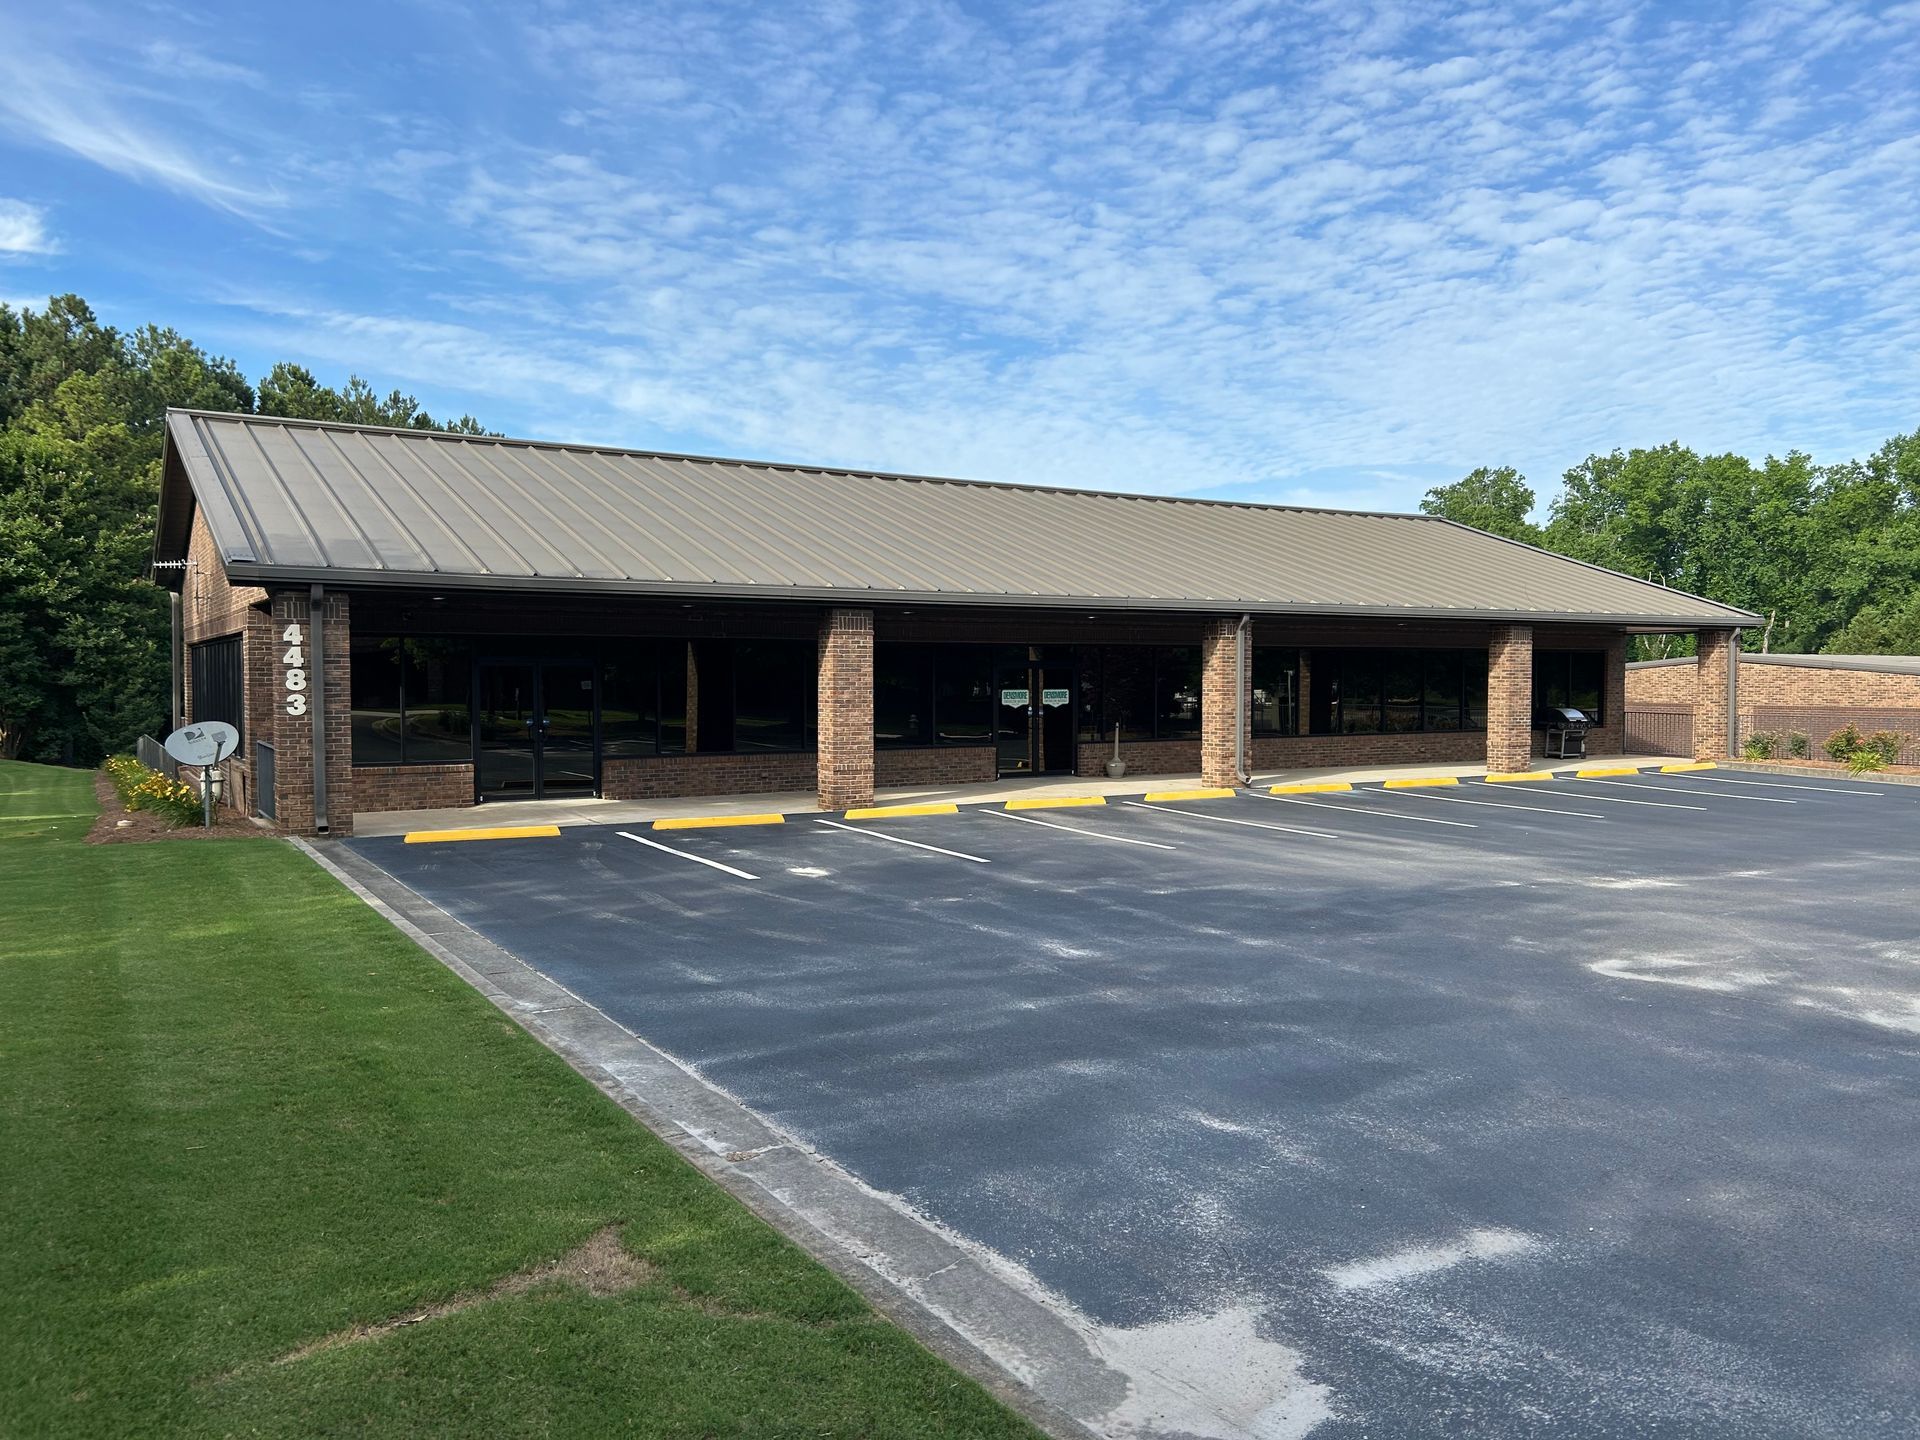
685 854
1490 804
900 840
1076 830
1362 810
1229 820
1685 790
1592 799
1783 785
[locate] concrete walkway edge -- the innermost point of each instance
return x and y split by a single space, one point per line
946 1292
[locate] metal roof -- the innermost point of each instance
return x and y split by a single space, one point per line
1883 664
299 501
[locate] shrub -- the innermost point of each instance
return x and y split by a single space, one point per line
1842 745
1886 744
142 789
1798 745
1865 761
1758 747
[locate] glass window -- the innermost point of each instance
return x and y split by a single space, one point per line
673 697
1476 689
1402 684
776 694
963 695
1086 663
1177 691
375 716
1358 696
1128 681
630 697
902 695
1570 677
1276 691
1446 671
437 690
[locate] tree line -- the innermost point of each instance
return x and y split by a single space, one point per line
1829 554
84 635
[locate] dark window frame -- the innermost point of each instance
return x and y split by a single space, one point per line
1547 662
1288 705
469 653
1328 671
219 683
1094 665
932 654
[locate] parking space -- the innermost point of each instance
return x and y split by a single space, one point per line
1578 1107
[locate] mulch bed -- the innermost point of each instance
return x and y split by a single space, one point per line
1835 767
142 825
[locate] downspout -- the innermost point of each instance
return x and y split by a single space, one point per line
317 688
1240 772
176 660
1733 698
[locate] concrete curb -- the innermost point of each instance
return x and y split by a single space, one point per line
946 1292
1816 772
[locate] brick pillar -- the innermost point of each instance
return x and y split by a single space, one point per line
1710 728
293 734
1218 709
693 698
846 709
1609 737
1510 699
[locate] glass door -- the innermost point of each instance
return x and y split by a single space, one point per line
536 730
1013 705
1056 740
566 730
505 712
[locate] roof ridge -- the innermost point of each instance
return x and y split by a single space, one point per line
806 467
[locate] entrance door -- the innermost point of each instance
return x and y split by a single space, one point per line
1034 719
536 730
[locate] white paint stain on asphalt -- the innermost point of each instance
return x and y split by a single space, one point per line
1490 1243
1634 883
1212 1376
1678 970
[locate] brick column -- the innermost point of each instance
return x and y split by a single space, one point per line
846 709
693 698
1218 710
1510 699
1710 728
293 734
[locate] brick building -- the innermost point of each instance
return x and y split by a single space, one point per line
403 619
1834 682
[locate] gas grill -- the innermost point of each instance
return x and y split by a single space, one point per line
1566 730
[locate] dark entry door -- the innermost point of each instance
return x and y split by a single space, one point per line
536 730
1034 719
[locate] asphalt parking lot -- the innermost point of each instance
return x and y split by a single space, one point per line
1576 1108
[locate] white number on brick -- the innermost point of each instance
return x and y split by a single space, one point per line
291 635
294 656
296 679
296 704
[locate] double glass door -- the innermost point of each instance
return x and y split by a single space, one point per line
536 729
1034 718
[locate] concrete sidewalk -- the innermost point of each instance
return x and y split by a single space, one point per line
795 802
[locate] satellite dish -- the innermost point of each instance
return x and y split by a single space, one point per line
207 743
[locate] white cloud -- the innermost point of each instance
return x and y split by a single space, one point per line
23 229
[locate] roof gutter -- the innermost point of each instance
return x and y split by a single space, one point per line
244 570
317 669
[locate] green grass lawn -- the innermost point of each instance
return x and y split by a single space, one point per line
239 1113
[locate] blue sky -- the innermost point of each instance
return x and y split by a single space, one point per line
1326 253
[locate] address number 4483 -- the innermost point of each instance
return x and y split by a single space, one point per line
294 674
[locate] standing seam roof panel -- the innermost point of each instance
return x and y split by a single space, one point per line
423 504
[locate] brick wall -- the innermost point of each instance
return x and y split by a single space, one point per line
293 734
937 765
1220 709
658 777
1710 718
209 606
412 787
1143 757
1802 687
846 709
1293 752
1509 739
